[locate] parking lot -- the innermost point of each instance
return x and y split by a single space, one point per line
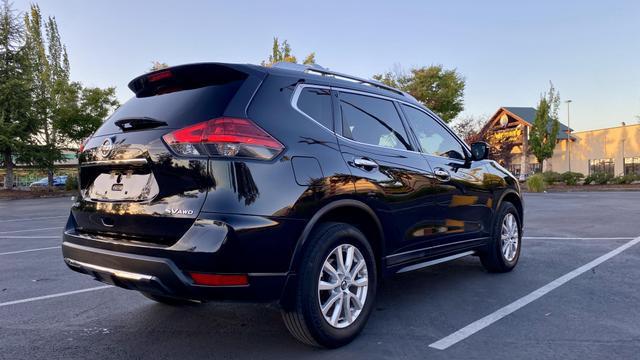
575 294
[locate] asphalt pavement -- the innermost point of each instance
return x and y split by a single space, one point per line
574 295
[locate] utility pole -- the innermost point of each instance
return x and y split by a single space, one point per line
569 133
623 139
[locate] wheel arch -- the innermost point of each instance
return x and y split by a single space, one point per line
349 211
515 198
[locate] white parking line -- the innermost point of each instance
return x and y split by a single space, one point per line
17 231
478 325
38 218
30 237
574 238
30 250
54 295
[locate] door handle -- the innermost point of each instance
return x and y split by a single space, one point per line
441 174
365 163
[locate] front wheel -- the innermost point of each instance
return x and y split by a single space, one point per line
503 251
336 287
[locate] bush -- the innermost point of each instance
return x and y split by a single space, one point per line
588 180
598 178
72 182
571 178
536 183
551 177
624 179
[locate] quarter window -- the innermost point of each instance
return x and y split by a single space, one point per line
433 138
316 103
372 121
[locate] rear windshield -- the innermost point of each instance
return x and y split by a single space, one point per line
178 109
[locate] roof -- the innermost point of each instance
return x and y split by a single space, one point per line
339 81
528 114
293 71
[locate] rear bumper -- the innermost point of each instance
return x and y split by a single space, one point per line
258 247
162 276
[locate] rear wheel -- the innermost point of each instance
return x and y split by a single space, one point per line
336 287
168 300
503 251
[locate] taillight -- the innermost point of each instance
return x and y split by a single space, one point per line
159 76
219 280
225 137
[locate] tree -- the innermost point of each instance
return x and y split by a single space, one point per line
50 74
544 132
439 89
157 65
281 52
85 110
469 128
65 111
16 122
472 129
310 59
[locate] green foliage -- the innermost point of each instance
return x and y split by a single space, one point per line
439 89
72 182
536 183
551 177
310 59
281 52
47 113
17 122
625 179
571 177
85 110
544 132
599 178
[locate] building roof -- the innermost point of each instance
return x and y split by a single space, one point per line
528 114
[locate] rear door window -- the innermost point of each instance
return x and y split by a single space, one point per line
178 109
372 120
316 104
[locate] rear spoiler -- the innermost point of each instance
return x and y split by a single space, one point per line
186 77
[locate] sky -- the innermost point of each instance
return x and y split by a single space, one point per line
508 51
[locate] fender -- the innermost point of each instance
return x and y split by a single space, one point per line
506 192
324 210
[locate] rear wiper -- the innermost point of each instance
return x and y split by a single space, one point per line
138 123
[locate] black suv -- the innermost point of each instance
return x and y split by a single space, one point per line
292 184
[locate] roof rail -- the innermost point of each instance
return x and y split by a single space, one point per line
315 68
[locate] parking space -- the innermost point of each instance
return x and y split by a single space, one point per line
591 315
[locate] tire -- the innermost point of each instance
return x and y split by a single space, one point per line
167 300
305 319
494 258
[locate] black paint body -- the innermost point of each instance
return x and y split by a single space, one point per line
238 216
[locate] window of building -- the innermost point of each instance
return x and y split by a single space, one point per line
535 168
514 169
372 121
316 103
632 165
606 166
433 138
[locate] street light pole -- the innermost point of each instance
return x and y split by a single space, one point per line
569 133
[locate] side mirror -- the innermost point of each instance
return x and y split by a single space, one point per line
479 150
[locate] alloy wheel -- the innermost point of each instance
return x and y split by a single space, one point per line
509 237
343 285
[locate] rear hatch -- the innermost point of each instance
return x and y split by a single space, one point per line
133 187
